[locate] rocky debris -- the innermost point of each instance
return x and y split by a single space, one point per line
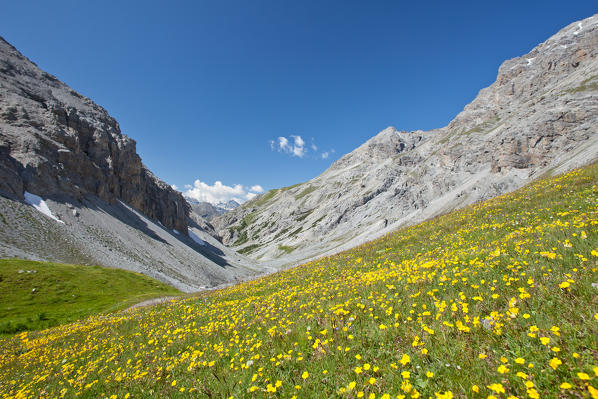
117 235
539 117
57 143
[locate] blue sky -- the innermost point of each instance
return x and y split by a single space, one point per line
208 88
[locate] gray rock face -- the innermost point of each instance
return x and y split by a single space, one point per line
56 143
539 117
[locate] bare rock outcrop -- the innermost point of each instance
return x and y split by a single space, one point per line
57 143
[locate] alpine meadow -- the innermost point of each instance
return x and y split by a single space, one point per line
286 250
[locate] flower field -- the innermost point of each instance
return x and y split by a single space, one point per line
493 301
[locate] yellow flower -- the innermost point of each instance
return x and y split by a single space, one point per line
544 340
498 388
583 376
405 359
502 369
352 385
566 385
366 366
564 284
555 362
475 388
305 375
429 374
519 360
482 356
372 380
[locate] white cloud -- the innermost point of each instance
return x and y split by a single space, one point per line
325 155
296 149
219 192
174 187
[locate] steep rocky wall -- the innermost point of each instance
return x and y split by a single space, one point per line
57 143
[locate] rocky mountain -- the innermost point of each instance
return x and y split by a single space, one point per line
209 211
74 189
539 117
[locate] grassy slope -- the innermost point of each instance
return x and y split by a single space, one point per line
65 293
492 300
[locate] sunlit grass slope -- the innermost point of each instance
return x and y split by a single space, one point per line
35 295
492 301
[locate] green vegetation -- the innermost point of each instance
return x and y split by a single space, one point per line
36 295
281 233
306 191
492 301
287 249
590 83
314 224
305 215
263 199
290 187
295 232
483 127
248 249
242 228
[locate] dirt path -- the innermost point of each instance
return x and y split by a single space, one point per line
151 302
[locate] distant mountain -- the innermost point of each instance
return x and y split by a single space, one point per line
209 211
73 189
539 117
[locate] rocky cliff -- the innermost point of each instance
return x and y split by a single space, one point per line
57 143
540 116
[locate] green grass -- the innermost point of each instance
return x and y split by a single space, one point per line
590 83
248 249
306 191
286 248
264 198
493 299
48 294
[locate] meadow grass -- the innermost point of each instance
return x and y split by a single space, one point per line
491 301
36 295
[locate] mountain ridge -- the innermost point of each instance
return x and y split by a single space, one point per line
538 116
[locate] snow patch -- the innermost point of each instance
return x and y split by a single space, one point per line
530 60
195 238
579 28
38 203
